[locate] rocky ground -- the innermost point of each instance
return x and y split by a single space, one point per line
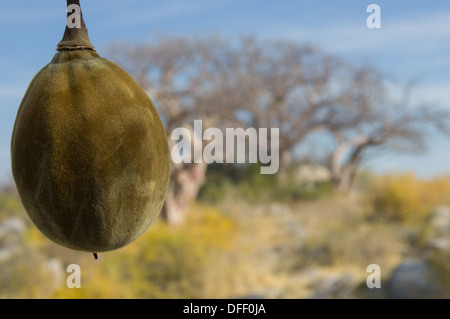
322 250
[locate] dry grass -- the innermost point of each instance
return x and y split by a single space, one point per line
282 250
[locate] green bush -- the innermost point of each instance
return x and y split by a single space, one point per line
246 181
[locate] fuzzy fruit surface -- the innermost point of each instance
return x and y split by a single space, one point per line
89 153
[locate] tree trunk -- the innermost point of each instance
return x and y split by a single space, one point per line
184 186
336 164
348 175
344 173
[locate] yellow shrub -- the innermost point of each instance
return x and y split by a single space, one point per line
405 198
162 263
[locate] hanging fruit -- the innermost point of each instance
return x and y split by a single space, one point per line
89 151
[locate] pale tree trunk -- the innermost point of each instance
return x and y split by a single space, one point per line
349 173
184 186
336 163
186 179
344 173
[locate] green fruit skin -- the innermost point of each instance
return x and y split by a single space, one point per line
89 153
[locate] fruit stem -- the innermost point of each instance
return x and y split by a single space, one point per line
75 35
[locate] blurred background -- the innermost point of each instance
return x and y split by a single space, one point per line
364 121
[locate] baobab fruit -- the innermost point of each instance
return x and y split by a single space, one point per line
89 151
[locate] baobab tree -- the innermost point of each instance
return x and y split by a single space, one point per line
293 88
269 84
372 119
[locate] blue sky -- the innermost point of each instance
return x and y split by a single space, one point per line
413 42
